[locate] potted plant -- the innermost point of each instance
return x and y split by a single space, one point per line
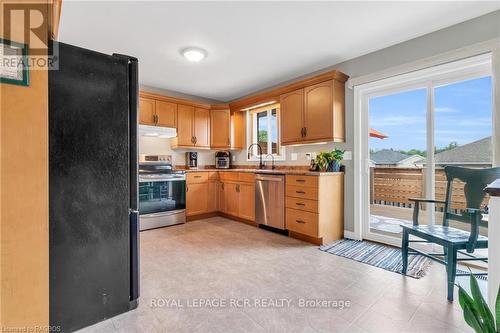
337 156
329 161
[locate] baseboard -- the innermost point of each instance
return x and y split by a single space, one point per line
350 235
201 216
306 238
238 219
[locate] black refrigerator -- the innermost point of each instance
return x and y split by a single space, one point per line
93 219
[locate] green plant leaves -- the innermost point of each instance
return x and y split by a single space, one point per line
482 306
476 312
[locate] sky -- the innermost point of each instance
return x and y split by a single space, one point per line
462 115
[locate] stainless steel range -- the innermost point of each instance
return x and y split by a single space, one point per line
162 192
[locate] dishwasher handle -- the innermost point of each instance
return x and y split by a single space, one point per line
269 178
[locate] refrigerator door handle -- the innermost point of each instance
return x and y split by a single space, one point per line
134 254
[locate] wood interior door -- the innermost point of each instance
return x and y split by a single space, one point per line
185 120
220 128
318 111
166 114
246 201
146 111
292 116
231 199
197 199
202 127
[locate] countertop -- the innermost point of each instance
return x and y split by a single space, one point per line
269 171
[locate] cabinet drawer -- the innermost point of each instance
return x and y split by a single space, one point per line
302 192
246 177
302 204
228 176
307 181
302 222
196 177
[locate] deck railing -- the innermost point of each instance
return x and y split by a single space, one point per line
395 186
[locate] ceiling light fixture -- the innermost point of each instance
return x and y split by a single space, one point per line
194 54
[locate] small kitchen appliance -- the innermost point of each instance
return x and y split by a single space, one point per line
222 160
192 160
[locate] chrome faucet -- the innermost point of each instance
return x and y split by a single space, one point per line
261 165
272 161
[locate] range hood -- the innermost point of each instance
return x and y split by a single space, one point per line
156 131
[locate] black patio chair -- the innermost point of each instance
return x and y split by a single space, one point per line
454 241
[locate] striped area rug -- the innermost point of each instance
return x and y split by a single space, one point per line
378 255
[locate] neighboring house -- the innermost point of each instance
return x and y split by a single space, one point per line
394 159
474 154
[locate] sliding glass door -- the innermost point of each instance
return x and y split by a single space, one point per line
414 128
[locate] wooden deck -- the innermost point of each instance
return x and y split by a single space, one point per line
407 213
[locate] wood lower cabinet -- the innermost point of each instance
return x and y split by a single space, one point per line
202 193
196 198
231 193
221 204
313 114
231 199
315 207
246 201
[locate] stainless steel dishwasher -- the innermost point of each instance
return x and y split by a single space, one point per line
270 200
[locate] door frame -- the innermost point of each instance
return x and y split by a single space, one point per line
472 67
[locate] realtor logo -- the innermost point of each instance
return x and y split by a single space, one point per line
27 23
25 42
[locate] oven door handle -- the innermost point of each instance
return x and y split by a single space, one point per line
170 212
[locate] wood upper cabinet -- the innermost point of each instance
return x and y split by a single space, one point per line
238 131
220 128
166 114
185 121
147 111
201 127
313 114
318 115
292 116
246 201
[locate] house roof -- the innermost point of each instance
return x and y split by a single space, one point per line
387 156
477 152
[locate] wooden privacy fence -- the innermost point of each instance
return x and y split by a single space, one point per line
395 186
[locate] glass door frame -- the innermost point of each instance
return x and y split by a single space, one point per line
429 78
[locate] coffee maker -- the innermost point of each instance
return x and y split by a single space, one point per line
192 160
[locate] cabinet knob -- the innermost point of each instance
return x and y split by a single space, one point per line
300 221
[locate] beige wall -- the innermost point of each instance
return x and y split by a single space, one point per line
24 201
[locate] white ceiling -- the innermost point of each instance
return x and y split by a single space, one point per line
250 46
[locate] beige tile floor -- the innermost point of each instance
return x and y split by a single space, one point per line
219 259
